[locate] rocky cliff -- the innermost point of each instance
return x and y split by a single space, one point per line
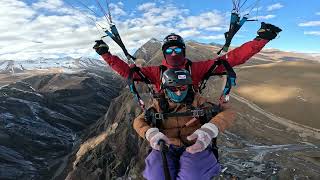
42 117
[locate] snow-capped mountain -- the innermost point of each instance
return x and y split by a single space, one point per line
65 64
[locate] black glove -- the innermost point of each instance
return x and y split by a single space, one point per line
268 31
101 47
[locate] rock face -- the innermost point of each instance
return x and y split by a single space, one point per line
148 50
9 66
41 118
120 153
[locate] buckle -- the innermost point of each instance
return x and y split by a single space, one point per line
197 112
158 116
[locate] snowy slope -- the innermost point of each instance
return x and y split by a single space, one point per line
65 64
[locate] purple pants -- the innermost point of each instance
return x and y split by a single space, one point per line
182 165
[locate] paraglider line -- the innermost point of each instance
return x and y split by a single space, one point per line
103 11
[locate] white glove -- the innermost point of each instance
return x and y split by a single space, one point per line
153 135
204 136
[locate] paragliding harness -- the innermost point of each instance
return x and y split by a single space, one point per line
155 119
231 77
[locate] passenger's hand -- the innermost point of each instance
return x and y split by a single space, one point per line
204 137
153 135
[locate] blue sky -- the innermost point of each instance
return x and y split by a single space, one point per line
54 28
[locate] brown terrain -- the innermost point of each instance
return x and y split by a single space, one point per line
287 89
276 135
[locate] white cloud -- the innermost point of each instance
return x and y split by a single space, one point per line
270 16
49 28
33 34
317 33
48 4
208 20
309 24
317 13
215 37
146 6
189 33
274 7
217 29
117 10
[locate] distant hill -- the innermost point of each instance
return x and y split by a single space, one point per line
65 64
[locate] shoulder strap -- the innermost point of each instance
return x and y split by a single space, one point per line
136 69
231 77
188 66
131 84
207 75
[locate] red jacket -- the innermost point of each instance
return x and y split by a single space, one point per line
235 57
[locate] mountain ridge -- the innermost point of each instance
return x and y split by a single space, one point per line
106 146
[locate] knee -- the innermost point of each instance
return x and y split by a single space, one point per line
199 166
192 175
154 167
203 174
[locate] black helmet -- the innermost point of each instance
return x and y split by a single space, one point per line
175 77
173 40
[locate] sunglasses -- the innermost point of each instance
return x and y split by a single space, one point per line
177 50
180 88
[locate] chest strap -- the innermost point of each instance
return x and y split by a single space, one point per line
155 119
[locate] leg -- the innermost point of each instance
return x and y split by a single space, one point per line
202 165
154 166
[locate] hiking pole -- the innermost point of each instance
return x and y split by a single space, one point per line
163 150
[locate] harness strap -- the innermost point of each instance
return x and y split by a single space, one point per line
136 69
162 69
188 66
132 86
157 118
231 77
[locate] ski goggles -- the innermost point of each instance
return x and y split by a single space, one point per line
177 50
179 88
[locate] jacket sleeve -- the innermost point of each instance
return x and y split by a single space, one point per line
243 53
123 69
225 118
235 57
140 126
